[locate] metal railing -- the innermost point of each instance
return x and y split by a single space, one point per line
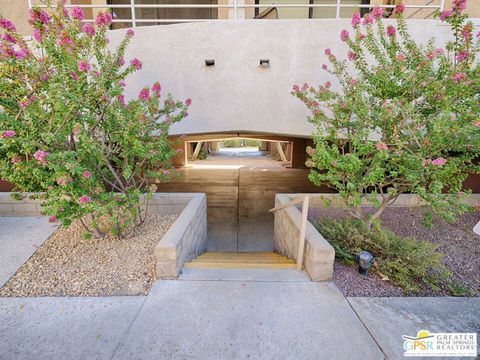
303 225
236 9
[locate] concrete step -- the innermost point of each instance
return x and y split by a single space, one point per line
261 260
281 275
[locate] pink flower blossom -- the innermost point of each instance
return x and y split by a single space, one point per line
360 36
73 75
37 35
467 32
39 16
87 174
327 84
9 134
400 57
391 31
462 55
121 98
459 5
40 156
324 66
344 35
136 63
352 82
368 19
103 19
188 102
121 61
328 52
381 146
296 88
84 66
77 129
476 123
351 55
157 89
52 219
65 40
9 38
84 199
144 94
21 54
166 172
122 83
7 25
310 151
89 29
439 161
64 180
78 13
377 12
23 103
356 19
15 159
130 33
444 15
459 77
399 9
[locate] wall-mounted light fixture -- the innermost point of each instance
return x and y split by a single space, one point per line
265 63
209 62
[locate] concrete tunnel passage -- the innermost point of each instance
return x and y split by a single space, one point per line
241 183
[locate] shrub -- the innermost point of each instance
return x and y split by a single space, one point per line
66 130
407 262
406 120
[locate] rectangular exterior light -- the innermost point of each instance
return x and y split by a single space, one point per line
265 63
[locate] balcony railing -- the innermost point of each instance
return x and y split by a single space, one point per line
133 13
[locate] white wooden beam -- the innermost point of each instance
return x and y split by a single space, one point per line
280 151
197 150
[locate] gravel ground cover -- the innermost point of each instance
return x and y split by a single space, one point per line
457 242
69 265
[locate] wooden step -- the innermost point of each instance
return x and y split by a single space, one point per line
260 260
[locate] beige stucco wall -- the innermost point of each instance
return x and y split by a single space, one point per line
16 11
236 94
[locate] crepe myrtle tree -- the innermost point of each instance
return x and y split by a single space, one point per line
66 131
405 120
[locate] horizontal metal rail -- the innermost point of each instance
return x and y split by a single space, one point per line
235 6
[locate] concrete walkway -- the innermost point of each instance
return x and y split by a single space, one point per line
19 239
192 319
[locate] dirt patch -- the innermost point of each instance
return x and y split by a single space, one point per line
69 265
457 242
